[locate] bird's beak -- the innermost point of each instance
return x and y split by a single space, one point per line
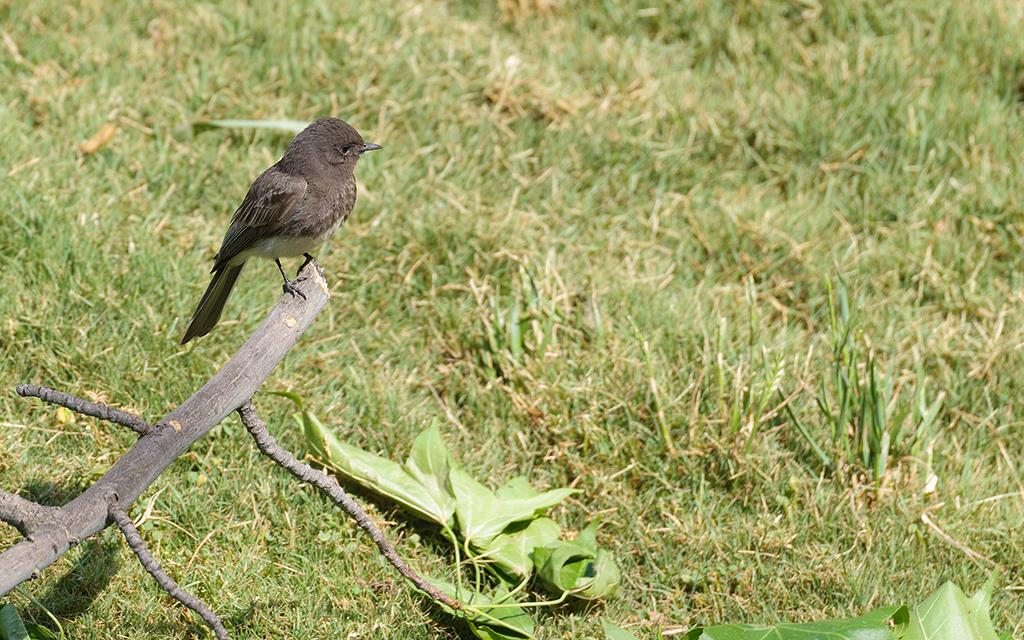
369 146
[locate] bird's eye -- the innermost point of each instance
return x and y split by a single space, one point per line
347 150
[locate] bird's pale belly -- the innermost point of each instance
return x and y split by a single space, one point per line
287 245
284 246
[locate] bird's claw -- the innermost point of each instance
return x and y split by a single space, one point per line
291 288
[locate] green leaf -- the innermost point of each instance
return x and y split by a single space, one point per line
605 580
587 539
518 488
877 625
948 614
11 627
612 632
512 550
482 515
559 566
311 426
578 566
430 464
374 472
39 632
291 395
485 620
316 434
293 126
422 485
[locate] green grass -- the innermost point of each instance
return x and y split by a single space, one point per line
661 192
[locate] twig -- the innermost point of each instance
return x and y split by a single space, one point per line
24 515
94 409
150 564
329 486
236 382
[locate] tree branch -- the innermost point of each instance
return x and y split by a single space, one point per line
150 564
330 487
24 515
235 383
94 409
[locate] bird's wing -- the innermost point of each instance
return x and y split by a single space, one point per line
266 206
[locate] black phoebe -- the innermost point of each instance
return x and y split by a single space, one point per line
289 210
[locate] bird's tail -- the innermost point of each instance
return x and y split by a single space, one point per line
208 312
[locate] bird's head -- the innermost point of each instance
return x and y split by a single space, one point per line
332 140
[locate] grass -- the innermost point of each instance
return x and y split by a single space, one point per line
599 243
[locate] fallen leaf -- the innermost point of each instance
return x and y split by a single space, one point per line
98 139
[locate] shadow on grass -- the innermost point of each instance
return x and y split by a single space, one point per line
50 493
75 592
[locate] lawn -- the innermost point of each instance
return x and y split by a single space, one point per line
669 195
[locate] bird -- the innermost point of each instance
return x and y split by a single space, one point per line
289 211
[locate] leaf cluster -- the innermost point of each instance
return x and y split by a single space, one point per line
501 537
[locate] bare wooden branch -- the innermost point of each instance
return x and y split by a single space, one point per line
24 515
234 384
330 487
85 407
150 564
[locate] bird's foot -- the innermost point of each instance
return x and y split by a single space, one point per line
292 288
309 259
